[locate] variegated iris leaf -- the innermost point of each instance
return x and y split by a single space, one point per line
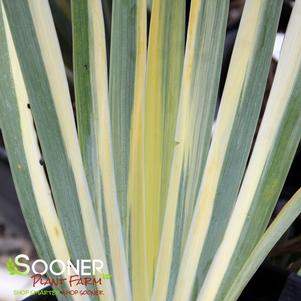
139 172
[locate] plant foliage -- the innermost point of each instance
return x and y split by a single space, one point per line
175 201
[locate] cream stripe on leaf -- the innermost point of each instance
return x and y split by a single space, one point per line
232 138
172 67
43 71
85 109
136 180
275 231
121 94
164 69
242 132
212 18
24 156
97 88
275 146
203 33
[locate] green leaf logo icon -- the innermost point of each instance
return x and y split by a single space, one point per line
106 276
12 269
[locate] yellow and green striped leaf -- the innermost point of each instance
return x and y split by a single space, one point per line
136 177
96 125
121 92
46 85
232 138
195 117
275 146
164 70
24 156
275 231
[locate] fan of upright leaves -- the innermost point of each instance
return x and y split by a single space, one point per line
139 178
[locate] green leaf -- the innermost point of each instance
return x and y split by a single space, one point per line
231 141
282 222
203 53
164 69
24 155
136 177
275 146
95 125
121 93
85 110
47 91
